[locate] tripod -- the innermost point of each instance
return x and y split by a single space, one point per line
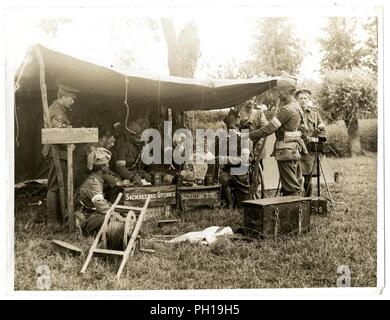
318 149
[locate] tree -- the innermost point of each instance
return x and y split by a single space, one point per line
341 50
183 56
370 58
347 95
51 26
276 51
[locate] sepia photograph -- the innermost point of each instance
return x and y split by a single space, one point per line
183 148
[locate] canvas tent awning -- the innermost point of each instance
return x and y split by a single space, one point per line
143 89
101 99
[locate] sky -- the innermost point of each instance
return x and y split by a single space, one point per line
100 38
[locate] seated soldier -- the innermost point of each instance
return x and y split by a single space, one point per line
229 179
128 164
90 197
106 140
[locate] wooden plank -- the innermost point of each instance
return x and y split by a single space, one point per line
69 135
71 222
128 208
106 251
160 196
47 124
196 188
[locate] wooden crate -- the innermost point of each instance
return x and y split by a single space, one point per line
189 198
271 217
161 196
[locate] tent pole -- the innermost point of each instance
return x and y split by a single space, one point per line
47 124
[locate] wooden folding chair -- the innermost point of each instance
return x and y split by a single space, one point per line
102 235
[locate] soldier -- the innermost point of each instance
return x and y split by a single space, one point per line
94 206
315 128
128 162
59 118
106 140
240 182
247 117
289 145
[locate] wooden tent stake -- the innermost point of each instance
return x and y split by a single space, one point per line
47 124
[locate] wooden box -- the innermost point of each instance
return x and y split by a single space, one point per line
161 196
319 205
198 196
271 217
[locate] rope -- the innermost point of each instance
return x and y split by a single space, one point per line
115 233
127 107
330 195
119 231
17 86
158 105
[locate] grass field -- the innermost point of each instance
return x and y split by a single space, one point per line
308 261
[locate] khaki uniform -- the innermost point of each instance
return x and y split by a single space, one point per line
128 162
81 171
315 127
240 182
59 119
94 204
287 153
255 120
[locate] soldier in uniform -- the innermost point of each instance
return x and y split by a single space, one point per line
106 140
241 117
315 128
128 162
289 145
91 215
240 182
59 118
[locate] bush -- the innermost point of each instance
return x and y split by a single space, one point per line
338 137
337 140
368 132
348 94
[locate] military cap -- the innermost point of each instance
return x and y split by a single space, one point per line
305 91
98 157
67 91
287 82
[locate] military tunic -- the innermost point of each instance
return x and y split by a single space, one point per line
315 127
91 196
238 180
128 161
288 119
58 119
81 171
237 119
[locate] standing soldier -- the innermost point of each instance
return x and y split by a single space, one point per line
288 145
59 118
241 117
315 128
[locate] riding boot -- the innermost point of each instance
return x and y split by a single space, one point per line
228 195
52 207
